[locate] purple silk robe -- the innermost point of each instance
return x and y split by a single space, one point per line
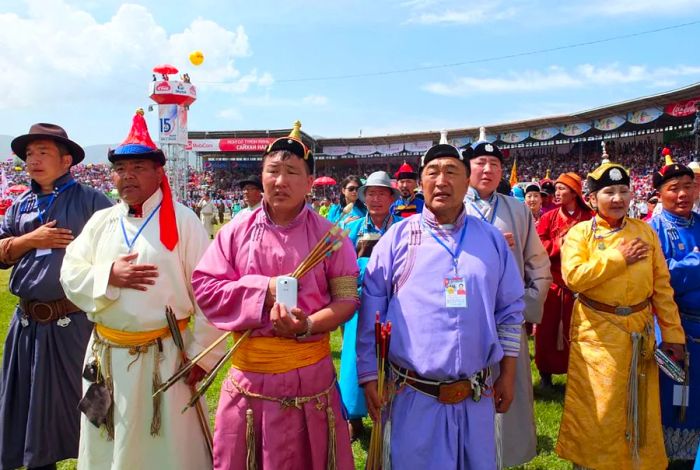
404 283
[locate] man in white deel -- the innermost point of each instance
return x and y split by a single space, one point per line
252 194
129 264
206 213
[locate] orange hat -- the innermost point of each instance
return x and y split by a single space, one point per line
573 181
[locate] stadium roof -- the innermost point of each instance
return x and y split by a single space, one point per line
654 106
658 100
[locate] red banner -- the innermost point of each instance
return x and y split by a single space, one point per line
245 145
682 108
256 144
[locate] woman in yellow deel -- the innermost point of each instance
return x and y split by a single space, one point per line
612 414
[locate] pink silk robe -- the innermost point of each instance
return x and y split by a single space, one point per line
230 284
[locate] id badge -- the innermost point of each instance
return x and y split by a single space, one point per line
455 292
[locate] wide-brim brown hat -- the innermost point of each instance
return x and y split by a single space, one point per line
44 130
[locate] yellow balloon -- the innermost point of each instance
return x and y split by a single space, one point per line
196 57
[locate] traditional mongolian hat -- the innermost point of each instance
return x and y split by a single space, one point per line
294 144
533 188
607 174
573 181
670 170
484 148
139 146
547 187
442 149
406 172
46 131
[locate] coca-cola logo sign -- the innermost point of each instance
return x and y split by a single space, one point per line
682 108
163 86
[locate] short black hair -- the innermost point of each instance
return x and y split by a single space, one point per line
285 155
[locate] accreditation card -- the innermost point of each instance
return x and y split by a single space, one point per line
455 292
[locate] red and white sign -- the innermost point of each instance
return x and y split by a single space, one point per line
238 144
173 92
682 108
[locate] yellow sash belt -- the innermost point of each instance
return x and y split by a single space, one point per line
275 355
136 338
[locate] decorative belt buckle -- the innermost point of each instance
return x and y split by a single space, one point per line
454 392
623 311
42 311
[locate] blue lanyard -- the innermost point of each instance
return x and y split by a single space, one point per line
455 254
130 244
493 214
51 200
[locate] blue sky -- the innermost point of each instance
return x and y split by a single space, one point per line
86 64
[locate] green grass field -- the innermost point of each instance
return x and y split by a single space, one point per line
548 406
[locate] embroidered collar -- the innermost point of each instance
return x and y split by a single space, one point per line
677 220
431 222
147 206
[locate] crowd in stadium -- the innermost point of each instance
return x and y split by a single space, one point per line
437 271
533 164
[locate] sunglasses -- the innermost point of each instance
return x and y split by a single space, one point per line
352 189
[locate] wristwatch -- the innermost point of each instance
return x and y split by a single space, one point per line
309 326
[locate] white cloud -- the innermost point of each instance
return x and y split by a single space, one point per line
560 78
59 53
627 7
473 12
268 101
315 100
430 12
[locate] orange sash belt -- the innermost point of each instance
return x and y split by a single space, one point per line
275 355
136 338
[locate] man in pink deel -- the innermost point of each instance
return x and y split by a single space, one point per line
279 405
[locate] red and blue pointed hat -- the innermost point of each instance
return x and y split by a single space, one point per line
138 145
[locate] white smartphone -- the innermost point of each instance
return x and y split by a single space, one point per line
287 292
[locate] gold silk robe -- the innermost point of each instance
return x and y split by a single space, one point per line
593 427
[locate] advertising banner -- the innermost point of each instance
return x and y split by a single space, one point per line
681 108
575 130
609 123
644 116
544 133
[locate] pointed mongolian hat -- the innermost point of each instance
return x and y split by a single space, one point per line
139 146
294 144
607 174
670 170
484 148
406 172
442 149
